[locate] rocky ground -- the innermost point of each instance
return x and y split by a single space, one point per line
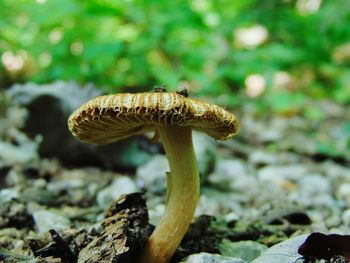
282 177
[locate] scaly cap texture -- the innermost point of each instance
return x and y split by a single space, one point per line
109 118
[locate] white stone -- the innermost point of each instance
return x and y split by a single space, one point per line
46 220
263 157
205 150
231 172
346 217
121 185
67 183
214 203
11 154
156 214
344 191
277 173
230 168
154 169
335 171
315 184
232 216
210 258
8 194
284 252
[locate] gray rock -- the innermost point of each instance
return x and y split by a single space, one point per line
21 154
15 177
344 192
313 190
69 93
232 174
211 258
247 250
121 185
14 117
284 252
315 184
153 170
14 214
230 168
49 107
346 217
46 220
88 179
8 194
56 186
262 157
127 154
299 142
155 212
39 195
273 130
213 202
334 170
278 173
15 146
152 174
205 150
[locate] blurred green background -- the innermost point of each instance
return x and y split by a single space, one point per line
288 50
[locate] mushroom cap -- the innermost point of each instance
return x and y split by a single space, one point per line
110 118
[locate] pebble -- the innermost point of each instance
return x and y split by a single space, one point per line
247 250
156 213
14 178
262 157
39 195
8 194
230 169
272 132
62 99
19 154
214 202
121 185
279 174
64 184
232 174
315 184
250 183
314 190
284 252
335 171
10 232
346 217
211 258
344 192
153 170
231 217
46 220
205 150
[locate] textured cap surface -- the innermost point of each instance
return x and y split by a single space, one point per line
110 118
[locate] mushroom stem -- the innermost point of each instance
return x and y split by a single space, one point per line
182 199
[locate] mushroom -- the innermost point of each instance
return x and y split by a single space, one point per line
172 116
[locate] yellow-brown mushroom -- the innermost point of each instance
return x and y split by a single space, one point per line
172 116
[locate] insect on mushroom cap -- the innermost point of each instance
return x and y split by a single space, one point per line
110 118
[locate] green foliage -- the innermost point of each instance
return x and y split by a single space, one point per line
132 45
284 102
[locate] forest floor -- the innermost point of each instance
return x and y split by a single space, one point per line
284 175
